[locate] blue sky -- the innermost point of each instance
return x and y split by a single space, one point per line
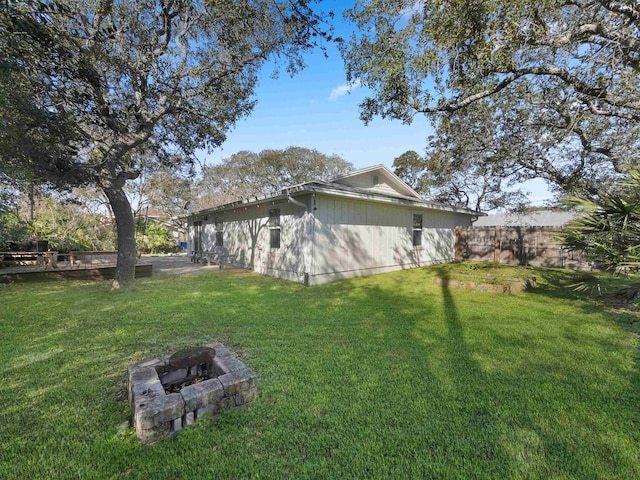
316 109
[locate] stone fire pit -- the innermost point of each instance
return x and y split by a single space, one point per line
169 393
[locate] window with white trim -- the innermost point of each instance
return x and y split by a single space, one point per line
274 228
417 229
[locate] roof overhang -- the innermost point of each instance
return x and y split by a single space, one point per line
334 191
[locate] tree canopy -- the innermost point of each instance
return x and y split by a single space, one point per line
557 80
455 179
245 173
127 78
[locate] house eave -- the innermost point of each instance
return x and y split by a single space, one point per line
323 188
407 201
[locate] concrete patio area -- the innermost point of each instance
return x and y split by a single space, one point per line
180 264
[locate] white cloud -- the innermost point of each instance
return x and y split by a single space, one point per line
343 89
416 8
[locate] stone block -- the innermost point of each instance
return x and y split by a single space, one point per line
208 410
516 287
221 350
177 424
200 394
172 376
158 409
153 362
140 391
143 382
142 375
225 402
241 381
224 365
189 419
244 398
153 434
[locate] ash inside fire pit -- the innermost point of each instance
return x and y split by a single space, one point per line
187 367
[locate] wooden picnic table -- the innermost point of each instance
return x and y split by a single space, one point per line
218 256
41 258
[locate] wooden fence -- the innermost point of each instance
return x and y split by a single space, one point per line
515 245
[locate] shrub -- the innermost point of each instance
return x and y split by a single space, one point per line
154 238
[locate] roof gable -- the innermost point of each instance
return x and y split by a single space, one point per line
377 179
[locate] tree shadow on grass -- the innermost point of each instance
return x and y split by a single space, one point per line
377 377
474 408
512 409
598 291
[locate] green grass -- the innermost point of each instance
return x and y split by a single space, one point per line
383 377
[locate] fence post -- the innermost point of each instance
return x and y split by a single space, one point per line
458 252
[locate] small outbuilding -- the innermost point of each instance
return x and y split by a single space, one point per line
365 222
538 218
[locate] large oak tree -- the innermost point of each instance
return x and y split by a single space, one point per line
141 81
245 174
556 80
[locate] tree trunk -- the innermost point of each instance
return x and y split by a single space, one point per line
32 203
126 230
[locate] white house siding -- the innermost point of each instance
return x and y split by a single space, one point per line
333 238
246 235
356 238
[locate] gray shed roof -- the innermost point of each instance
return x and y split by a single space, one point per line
542 218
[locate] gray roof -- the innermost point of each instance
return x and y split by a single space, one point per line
542 218
337 189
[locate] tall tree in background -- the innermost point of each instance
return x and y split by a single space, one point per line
467 164
246 174
460 181
410 167
558 81
163 76
162 193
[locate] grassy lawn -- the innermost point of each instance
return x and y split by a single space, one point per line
389 376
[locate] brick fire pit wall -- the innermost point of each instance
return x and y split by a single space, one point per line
157 415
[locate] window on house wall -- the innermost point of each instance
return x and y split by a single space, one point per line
274 228
219 231
417 229
197 236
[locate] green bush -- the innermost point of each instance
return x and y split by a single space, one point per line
11 229
154 238
608 229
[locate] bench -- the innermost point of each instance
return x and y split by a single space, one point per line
48 259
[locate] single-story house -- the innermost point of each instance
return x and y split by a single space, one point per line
365 222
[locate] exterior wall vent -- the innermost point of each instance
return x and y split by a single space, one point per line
376 180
